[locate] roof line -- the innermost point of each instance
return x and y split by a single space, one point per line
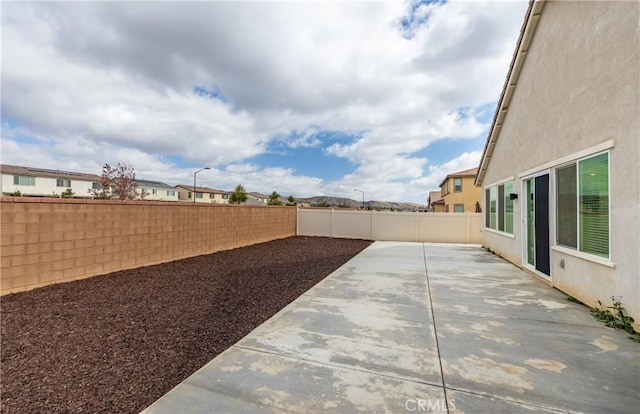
524 41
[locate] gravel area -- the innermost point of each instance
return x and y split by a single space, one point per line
116 343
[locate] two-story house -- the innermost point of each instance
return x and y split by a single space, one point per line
202 194
459 193
156 191
41 182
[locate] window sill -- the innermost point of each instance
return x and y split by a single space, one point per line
499 233
591 258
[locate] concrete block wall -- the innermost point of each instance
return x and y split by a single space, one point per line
46 241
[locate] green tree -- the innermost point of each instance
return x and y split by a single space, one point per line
117 182
274 199
238 196
68 193
291 201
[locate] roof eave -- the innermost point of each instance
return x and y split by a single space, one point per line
527 31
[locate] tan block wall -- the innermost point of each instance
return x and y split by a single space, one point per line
46 241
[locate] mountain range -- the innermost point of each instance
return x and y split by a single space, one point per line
340 202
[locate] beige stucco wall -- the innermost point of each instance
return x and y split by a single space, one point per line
580 87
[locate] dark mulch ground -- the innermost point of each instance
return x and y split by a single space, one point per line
116 343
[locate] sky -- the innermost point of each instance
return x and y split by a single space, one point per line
303 98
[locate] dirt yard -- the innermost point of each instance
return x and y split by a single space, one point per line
116 343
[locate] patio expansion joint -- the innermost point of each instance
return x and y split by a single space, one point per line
435 329
515 318
345 367
510 400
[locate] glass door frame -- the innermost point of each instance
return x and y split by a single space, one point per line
525 220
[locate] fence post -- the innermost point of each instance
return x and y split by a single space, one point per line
373 225
331 224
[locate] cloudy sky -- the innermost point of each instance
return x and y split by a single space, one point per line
304 98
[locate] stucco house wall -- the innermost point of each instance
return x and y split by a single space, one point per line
468 197
45 182
578 93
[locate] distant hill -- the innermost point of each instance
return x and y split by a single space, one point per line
340 202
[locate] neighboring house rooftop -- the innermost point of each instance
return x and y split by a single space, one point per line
434 196
202 189
48 173
156 184
258 195
524 41
471 172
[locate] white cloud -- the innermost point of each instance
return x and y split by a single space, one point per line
91 83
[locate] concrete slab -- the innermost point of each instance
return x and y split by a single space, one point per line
413 327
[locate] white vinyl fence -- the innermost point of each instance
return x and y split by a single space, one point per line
395 226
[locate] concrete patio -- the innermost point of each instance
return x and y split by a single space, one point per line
418 327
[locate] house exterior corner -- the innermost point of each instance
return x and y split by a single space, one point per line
560 172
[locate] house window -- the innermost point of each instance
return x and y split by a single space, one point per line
458 208
508 207
154 191
24 180
493 207
457 185
96 186
583 205
499 207
199 194
225 196
63 183
189 194
171 193
211 195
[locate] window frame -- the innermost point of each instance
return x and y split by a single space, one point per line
455 186
31 181
497 221
578 236
455 207
60 182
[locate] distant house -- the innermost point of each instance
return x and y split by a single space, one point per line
459 193
202 194
156 191
560 169
435 202
257 198
41 182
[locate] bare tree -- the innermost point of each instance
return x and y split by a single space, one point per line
117 182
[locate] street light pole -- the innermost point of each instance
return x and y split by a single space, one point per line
360 191
194 181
